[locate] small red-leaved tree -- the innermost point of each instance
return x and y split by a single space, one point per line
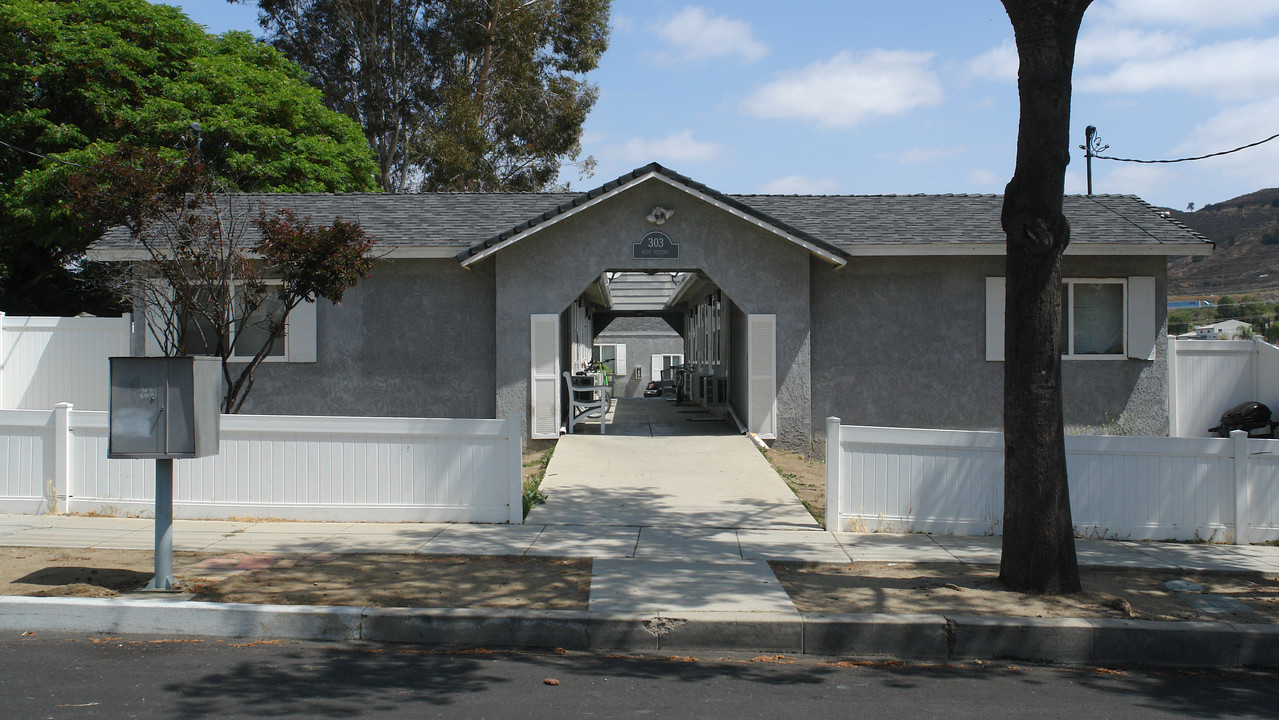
217 278
222 282
311 261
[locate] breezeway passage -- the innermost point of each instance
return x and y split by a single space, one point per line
661 466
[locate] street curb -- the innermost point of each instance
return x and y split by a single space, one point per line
929 638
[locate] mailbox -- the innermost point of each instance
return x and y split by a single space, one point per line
164 407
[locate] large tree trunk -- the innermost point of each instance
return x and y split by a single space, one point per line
1038 545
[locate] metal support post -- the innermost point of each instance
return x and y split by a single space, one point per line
163 580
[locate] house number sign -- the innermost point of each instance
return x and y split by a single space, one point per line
656 245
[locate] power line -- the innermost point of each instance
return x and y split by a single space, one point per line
44 157
1187 159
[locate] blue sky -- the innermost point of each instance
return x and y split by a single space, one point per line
918 96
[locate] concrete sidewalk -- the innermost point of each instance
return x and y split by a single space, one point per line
685 545
652 588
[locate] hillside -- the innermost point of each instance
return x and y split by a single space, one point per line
1246 259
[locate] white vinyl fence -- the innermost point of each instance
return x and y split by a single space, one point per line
48 360
1207 377
951 482
273 466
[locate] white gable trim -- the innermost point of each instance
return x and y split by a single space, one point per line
655 175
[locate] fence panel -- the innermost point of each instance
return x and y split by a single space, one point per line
47 360
1211 376
943 481
1263 490
316 468
27 473
909 480
1148 488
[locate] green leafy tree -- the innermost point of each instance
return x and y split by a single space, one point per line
1252 309
78 80
1180 321
1272 333
452 94
1038 542
1227 308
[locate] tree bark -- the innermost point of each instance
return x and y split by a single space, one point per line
1038 535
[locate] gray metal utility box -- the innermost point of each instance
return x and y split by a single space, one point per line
164 407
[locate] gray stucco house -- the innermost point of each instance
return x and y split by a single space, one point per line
881 310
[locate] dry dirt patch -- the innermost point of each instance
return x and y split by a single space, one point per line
806 477
975 590
358 580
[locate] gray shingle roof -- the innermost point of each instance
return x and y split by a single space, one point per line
851 220
469 222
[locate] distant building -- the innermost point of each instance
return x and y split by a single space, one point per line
1224 330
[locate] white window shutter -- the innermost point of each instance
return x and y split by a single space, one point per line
300 333
655 363
1141 318
544 383
761 375
995 319
620 363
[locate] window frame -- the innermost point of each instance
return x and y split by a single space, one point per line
299 338
1068 330
284 337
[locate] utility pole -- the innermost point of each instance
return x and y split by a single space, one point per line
1092 145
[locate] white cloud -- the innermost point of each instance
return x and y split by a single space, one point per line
919 155
998 64
1189 13
1240 69
800 185
696 34
1146 181
621 22
679 147
1235 127
987 180
1110 44
849 88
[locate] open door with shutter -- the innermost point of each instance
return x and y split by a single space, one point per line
761 375
544 381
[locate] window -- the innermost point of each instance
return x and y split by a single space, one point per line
662 364
604 355
612 355
1102 318
295 344
1092 318
257 327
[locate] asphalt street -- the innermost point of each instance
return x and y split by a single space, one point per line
46 676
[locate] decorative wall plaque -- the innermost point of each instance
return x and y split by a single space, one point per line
656 245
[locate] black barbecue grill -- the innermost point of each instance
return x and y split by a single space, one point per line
1252 417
